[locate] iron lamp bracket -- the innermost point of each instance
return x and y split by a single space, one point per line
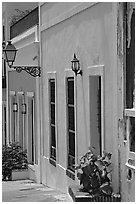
79 72
32 70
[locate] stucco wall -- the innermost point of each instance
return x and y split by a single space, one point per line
51 10
91 34
21 82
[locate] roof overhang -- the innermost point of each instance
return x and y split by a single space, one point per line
11 7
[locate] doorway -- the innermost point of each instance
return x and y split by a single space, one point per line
30 130
95 113
96 108
4 132
20 138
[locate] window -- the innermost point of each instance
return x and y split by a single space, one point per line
132 135
130 57
3 36
52 119
95 110
130 83
95 93
71 123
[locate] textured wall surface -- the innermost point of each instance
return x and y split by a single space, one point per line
91 34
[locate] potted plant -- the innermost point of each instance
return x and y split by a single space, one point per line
13 158
94 173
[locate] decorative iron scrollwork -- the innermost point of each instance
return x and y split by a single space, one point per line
32 70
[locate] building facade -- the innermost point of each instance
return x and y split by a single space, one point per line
75 112
23 89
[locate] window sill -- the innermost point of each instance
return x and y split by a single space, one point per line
130 166
70 174
130 112
52 161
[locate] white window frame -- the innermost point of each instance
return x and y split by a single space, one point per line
129 112
98 70
52 75
130 155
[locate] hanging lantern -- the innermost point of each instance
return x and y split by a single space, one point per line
10 53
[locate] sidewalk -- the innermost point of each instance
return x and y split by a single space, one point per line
29 191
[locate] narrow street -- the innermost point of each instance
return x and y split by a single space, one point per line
29 191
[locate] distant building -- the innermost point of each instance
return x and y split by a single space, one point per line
66 114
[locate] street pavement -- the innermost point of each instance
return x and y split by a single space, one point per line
29 191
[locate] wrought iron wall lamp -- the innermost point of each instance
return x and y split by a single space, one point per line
15 107
10 55
76 65
23 108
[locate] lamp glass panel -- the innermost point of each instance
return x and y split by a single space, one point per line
15 107
10 55
24 108
75 66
